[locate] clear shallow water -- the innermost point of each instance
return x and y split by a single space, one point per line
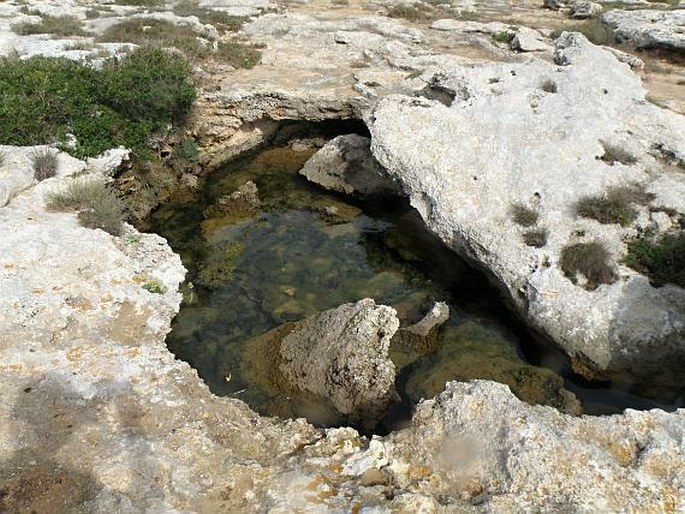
304 251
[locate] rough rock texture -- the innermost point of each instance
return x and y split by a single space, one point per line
422 335
345 165
477 442
342 355
512 142
583 9
649 29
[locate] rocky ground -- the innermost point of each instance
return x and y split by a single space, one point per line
468 104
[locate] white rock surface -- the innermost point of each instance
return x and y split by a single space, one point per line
649 28
511 142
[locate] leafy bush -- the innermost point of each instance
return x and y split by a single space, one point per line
661 259
523 215
613 153
98 206
186 149
44 164
536 238
591 260
57 25
615 206
43 99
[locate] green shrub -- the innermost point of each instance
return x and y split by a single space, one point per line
186 150
613 154
536 238
661 259
597 32
615 206
591 260
219 19
98 206
92 14
523 215
44 163
57 25
43 99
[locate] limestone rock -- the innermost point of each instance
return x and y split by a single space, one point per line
345 165
583 9
465 194
422 335
342 355
477 441
649 28
529 40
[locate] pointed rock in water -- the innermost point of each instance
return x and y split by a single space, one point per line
341 355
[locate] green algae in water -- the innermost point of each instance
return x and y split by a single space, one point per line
305 250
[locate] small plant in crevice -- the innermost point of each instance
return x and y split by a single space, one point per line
44 162
662 258
154 286
614 206
537 237
613 154
589 260
98 206
503 36
524 216
549 86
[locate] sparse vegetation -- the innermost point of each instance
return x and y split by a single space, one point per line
126 101
536 237
98 206
549 86
149 32
615 206
411 12
140 3
597 32
186 149
219 19
238 55
44 164
504 36
524 216
92 14
590 260
145 184
613 154
662 259
57 25
2 159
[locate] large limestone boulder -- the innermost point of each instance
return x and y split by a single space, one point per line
535 134
649 28
342 355
345 165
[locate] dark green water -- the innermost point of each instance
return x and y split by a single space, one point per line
304 251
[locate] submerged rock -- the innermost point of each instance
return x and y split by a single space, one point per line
421 337
467 193
345 165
